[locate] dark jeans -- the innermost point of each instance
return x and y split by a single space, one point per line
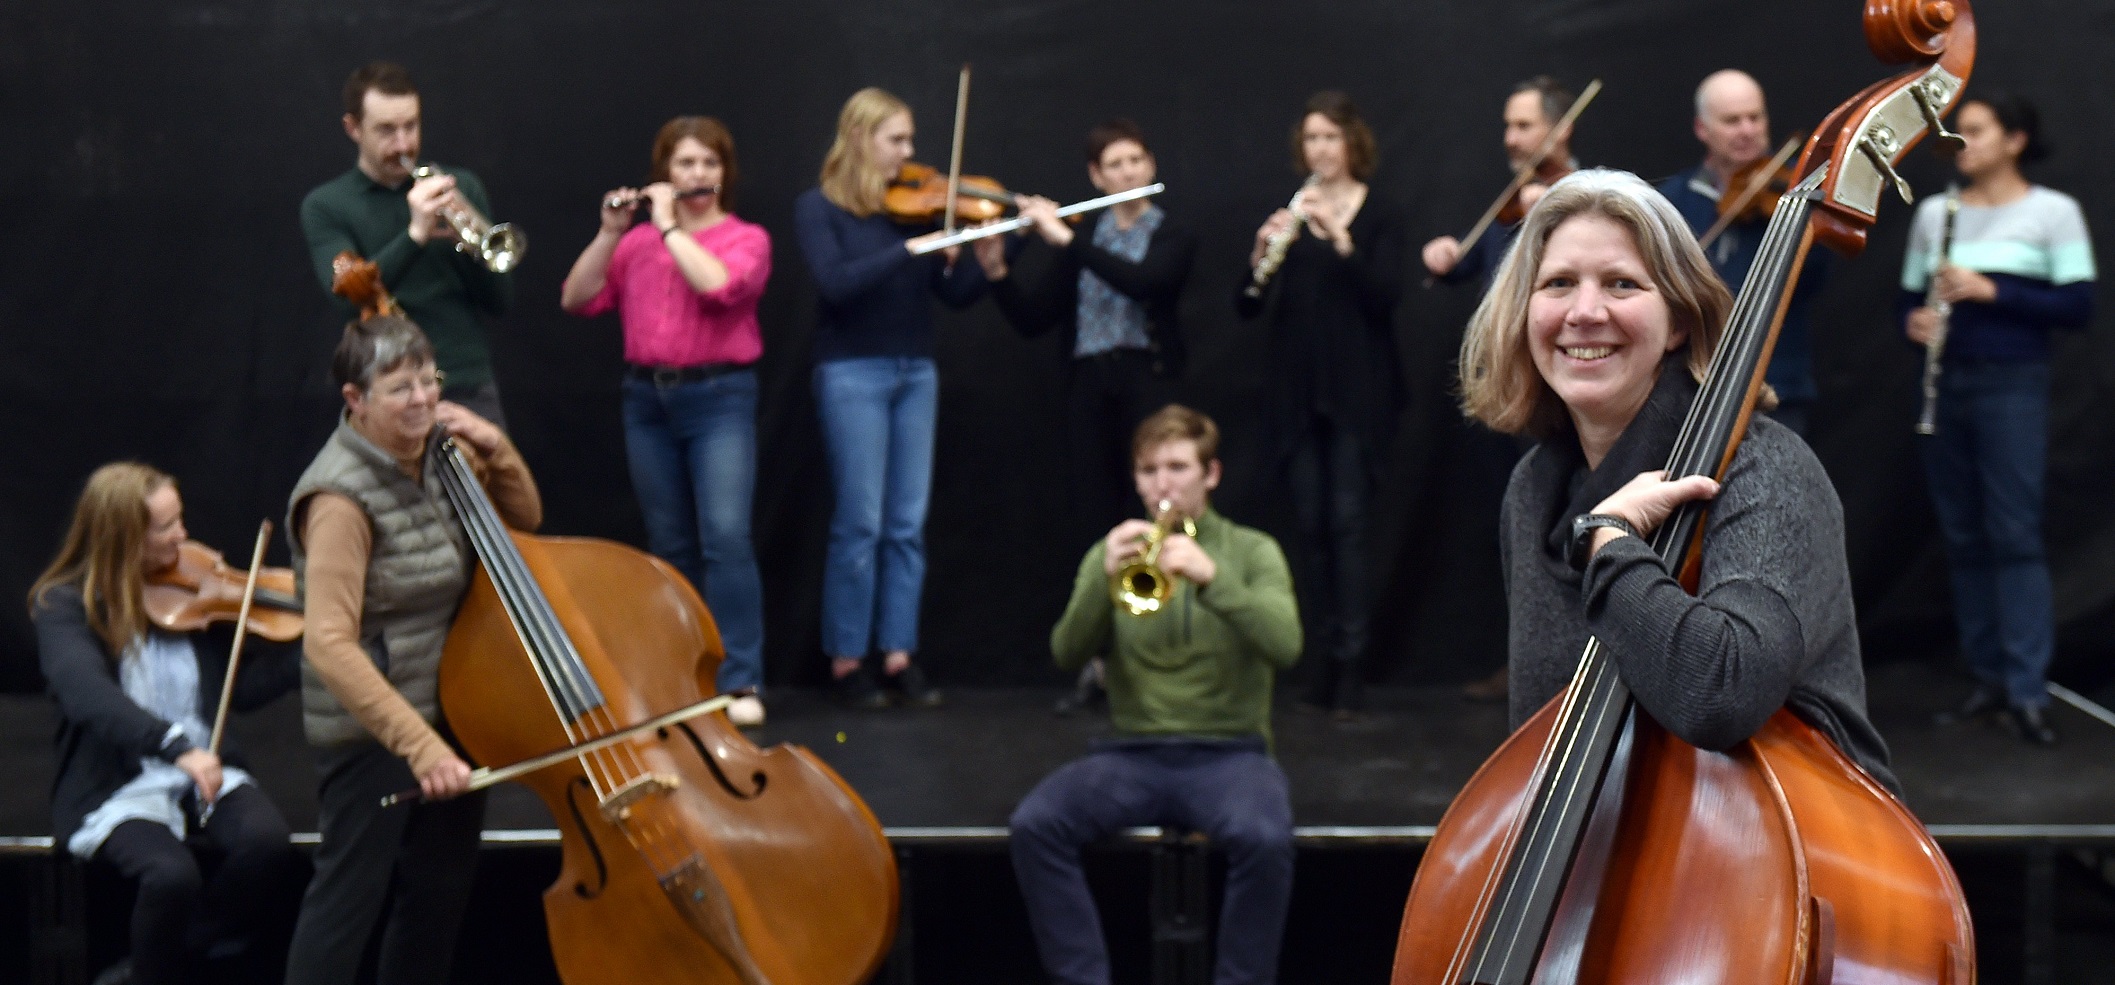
179 912
416 863
692 449
1332 484
1231 791
1106 397
1986 466
482 400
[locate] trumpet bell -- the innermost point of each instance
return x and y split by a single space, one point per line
502 247
1141 589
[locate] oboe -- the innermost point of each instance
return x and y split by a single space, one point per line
1935 350
1274 248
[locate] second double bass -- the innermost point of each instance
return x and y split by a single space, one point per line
1596 845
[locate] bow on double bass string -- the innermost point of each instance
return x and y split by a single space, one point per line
1596 847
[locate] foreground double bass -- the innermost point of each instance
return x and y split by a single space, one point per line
1593 847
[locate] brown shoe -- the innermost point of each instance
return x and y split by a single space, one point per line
1490 690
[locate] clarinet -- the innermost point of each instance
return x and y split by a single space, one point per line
1274 248
1935 351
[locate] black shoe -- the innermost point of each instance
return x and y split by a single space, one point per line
117 974
916 692
1350 696
1981 702
2032 728
857 690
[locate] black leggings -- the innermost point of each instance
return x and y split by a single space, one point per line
244 906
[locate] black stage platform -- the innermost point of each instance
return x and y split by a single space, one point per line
2026 827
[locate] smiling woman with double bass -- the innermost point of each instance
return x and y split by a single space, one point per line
1700 795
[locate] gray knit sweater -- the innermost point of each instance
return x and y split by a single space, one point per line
1771 627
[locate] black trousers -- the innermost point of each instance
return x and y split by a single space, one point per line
1108 395
415 864
1331 472
180 914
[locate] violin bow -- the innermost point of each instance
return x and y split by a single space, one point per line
1527 170
1754 188
242 622
954 158
485 776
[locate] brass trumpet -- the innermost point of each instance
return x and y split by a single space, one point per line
499 247
1141 588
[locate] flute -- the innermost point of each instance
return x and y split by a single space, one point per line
636 196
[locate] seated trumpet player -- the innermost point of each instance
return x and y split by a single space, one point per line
1190 696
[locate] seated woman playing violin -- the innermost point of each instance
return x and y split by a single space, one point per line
385 563
877 391
136 777
1592 341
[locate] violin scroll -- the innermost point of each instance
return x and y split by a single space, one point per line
359 281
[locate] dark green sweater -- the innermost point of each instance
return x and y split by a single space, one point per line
440 287
1203 666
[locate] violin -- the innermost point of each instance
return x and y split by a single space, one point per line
1753 190
1594 845
917 196
203 589
1547 173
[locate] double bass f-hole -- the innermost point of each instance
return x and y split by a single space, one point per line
759 779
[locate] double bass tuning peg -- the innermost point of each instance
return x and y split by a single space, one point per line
1930 96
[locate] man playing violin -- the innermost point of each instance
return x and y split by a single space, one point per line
384 563
1190 699
1115 288
1733 124
1534 106
378 211
136 773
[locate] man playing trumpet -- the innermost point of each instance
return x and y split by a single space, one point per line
379 211
1189 696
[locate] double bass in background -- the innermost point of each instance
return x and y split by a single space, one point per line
1593 846
689 854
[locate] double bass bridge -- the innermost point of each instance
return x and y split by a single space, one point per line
617 807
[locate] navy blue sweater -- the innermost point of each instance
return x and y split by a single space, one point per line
1791 371
873 290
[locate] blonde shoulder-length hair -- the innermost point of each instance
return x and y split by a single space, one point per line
1500 385
103 554
849 178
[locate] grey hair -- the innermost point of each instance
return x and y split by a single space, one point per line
376 346
1500 385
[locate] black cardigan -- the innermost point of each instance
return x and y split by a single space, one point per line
102 734
1154 280
1332 339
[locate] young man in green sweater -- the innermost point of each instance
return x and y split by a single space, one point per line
378 211
1189 695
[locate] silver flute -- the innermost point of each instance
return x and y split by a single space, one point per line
1280 241
1935 350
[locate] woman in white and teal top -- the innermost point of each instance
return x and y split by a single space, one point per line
2021 266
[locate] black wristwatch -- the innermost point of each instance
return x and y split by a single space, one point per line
1582 543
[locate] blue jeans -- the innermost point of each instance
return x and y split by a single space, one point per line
692 448
1986 467
877 418
1232 791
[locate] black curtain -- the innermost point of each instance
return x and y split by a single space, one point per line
157 302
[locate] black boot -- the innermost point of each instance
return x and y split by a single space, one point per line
2032 728
858 690
1088 692
910 682
1982 701
1349 697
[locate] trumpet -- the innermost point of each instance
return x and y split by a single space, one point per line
639 197
1140 587
499 247
1274 249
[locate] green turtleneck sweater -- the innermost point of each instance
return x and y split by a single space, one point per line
1203 666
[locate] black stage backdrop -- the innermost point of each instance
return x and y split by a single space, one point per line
157 302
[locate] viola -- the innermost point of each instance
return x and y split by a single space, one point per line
917 196
1594 846
202 589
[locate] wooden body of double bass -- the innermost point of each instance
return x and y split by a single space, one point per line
805 870
1778 862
